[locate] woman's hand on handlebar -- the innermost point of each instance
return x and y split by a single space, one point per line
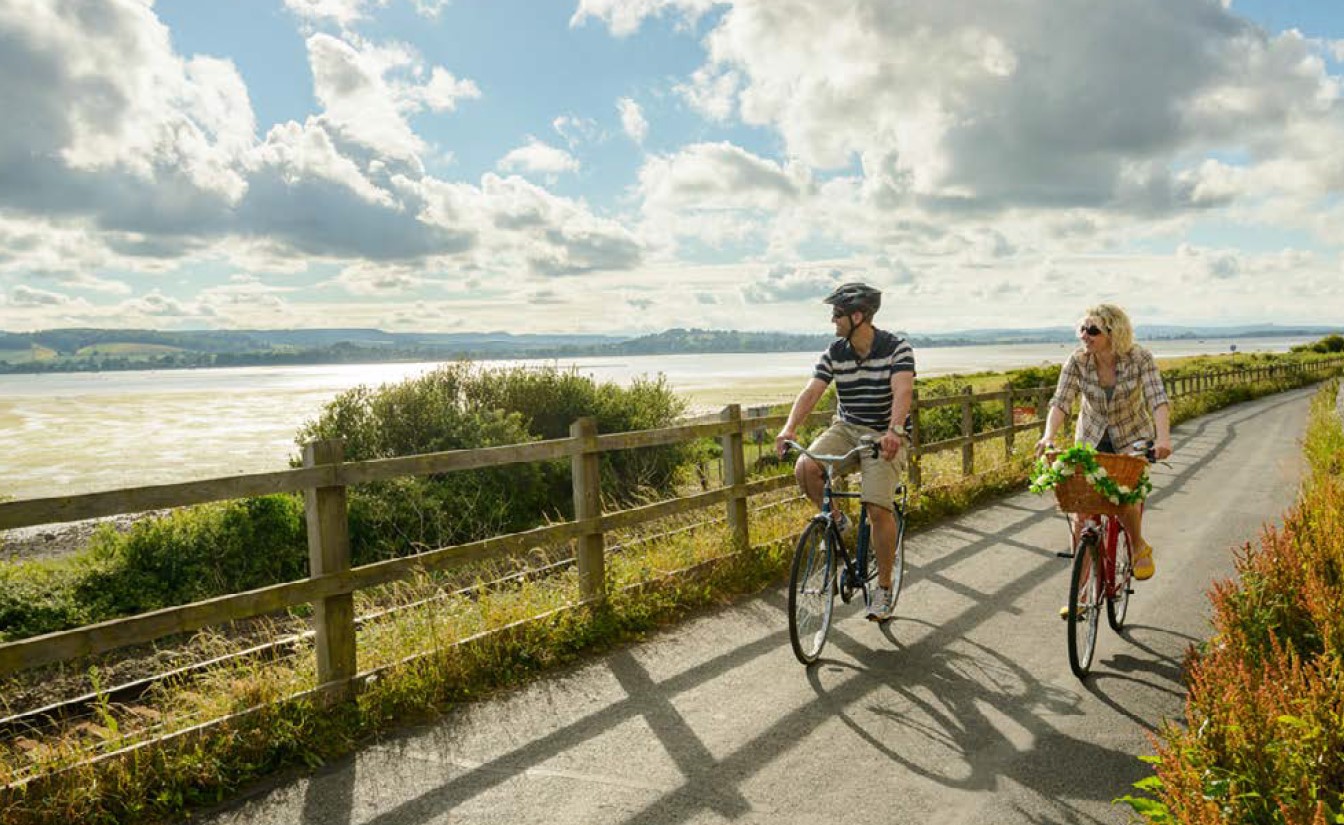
1044 446
1162 448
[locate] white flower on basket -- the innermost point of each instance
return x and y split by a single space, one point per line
1113 499
1058 466
1101 472
1124 491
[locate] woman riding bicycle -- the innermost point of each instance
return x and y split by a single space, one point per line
1123 402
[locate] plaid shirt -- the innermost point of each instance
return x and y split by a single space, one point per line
1125 414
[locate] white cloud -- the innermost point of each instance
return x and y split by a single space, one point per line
373 279
576 130
971 106
26 296
632 119
712 92
341 12
367 91
537 156
792 283
548 236
624 17
718 176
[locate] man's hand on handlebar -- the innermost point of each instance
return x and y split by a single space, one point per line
781 441
1044 446
889 446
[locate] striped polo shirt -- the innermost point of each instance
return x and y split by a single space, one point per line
863 387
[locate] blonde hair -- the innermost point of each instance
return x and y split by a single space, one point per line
1116 323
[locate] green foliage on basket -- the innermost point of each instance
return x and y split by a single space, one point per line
1046 475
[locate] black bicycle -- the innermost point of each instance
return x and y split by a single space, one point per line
823 567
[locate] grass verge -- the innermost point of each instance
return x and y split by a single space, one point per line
1263 738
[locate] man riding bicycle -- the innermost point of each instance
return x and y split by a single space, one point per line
874 375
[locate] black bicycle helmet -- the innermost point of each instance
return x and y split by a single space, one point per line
855 297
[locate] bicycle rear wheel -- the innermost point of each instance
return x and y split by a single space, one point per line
1117 606
812 589
1085 598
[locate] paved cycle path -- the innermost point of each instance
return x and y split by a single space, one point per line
961 710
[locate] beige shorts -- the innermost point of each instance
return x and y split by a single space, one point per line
880 477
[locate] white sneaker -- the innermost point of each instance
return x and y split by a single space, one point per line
843 523
882 604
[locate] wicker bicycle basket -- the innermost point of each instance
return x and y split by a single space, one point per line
1076 494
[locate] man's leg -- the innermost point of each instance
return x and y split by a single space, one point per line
883 522
811 475
810 478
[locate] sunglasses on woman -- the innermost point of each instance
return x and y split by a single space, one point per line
1093 330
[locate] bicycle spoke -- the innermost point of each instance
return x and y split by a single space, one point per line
811 593
1085 597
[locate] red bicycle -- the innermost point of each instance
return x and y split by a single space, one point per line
1102 559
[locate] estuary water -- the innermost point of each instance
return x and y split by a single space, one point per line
64 434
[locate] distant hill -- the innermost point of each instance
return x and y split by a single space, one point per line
72 350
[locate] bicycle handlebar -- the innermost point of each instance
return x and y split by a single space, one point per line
865 443
1143 448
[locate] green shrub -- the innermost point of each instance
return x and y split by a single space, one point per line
461 406
939 423
193 554
1328 344
37 597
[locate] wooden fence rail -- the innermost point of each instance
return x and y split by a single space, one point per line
325 477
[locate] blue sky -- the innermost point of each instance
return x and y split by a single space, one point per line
633 165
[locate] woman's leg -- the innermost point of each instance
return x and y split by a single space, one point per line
1131 518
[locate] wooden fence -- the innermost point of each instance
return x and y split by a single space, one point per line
325 477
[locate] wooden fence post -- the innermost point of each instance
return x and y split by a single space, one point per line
967 430
912 467
329 553
735 475
1008 421
590 548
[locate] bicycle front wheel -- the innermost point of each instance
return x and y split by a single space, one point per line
811 593
1085 599
1117 606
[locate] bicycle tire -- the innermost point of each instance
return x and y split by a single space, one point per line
1117 606
812 587
1085 606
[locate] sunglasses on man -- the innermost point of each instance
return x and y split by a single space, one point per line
1093 330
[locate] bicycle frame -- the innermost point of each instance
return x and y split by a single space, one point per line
822 547
853 567
1106 529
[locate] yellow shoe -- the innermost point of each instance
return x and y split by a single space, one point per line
1143 563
